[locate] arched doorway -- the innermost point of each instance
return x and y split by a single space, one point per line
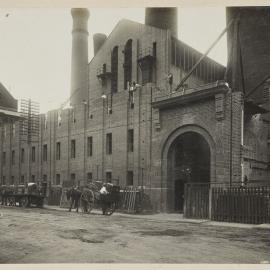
188 161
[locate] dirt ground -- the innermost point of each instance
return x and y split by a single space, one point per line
50 236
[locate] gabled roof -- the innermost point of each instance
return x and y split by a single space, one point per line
127 21
6 99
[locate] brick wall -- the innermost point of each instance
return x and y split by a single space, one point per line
147 159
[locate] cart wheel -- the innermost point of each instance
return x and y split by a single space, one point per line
11 201
24 202
40 203
109 211
86 206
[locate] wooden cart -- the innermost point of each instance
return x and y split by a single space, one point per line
23 196
91 198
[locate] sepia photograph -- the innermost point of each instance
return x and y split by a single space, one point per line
135 135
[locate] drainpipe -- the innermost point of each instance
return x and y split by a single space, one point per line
84 139
231 132
242 141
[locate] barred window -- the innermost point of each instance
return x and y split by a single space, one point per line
22 155
89 146
73 148
130 145
130 178
108 177
114 67
128 64
109 143
58 151
33 154
44 152
58 179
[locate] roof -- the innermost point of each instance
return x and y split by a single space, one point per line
127 21
6 99
10 114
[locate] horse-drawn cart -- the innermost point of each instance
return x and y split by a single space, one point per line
92 198
24 196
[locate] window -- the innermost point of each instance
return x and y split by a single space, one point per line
4 180
73 116
46 121
45 177
109 143
108 177
59 118
114 67
58 151
22 179
89 177
130 178
22 155
4 158
128 64
73 148
33 178
154 49
57 180
13 130
89 146
12 181
147 73
130 145
33 154
44 152
73 178
131 99
132 88
13 157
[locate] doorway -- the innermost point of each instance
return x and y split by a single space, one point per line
188 162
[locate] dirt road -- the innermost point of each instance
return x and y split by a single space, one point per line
49 236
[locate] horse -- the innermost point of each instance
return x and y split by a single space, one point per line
6 192
74 194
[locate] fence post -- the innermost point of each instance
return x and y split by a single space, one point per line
210 203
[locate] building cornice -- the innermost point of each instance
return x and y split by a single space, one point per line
187 96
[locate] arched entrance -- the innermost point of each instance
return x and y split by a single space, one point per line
188 161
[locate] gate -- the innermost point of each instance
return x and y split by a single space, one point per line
221 202
241 204
55 193
196 200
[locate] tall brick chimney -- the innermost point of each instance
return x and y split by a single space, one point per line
164 18
79 60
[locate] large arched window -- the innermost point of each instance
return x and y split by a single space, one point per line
128 63
114 67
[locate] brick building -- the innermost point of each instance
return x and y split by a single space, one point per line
127 123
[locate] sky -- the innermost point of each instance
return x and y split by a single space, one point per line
35 45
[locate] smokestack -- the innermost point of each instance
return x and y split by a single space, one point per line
79 60
164 18
99 40
248 49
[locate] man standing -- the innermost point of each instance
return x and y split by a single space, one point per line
75 195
